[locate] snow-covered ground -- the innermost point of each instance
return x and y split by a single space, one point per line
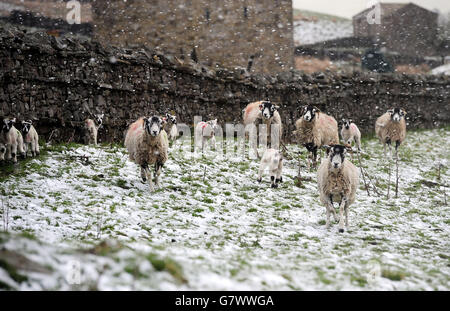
309 32
213 227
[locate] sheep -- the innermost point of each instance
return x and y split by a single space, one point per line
205 131
171 126
31 138
314 130
12 138
272 159
350 132
92 128
337 180
268 113
2 152
147 143
391 127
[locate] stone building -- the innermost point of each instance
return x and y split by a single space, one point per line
405 28
226 32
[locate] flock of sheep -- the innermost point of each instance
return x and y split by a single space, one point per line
147 142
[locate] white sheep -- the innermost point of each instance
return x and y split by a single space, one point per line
314 130
171 126
147 144
268 113
30 137
391 128
337 180
92 128
12 139
350 133
272 159
205 131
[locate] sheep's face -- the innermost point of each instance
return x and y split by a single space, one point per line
99 118
346 123
336 154
171 118
267 109
310 113
153 125
7 124
26 126
213 123
2 152
396 114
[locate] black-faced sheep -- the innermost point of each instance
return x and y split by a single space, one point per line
350 133
205 131
147 144
12 139
30 137
268 113
272 159
391 128
337 180
316 129
92 128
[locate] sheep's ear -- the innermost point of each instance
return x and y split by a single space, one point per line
317 109
30 121
261 106
277 107
13 120
403 111
390 111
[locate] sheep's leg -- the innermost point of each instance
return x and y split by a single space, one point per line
262 167
203 144
143 173
341 214
149 178
14 152
330 208
36 147
346 215
396 165
213 142
279 172
158 167
273 183
315 157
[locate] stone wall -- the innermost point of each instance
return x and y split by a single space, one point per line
225 32
59 80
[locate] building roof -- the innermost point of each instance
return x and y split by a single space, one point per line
387 9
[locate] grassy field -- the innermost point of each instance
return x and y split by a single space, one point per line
74 222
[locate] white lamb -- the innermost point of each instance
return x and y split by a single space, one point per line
12 139
337 180
205 131
350 133
273 160
31 138
147 144
92 128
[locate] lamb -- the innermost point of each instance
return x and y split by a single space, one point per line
31 138
92 128
171 126
12 138
147 143
315 129
337 180
268 113
205 131
350 132
391 127
273 160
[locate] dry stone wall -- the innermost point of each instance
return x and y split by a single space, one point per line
58 81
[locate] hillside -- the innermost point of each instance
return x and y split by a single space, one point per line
311 27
